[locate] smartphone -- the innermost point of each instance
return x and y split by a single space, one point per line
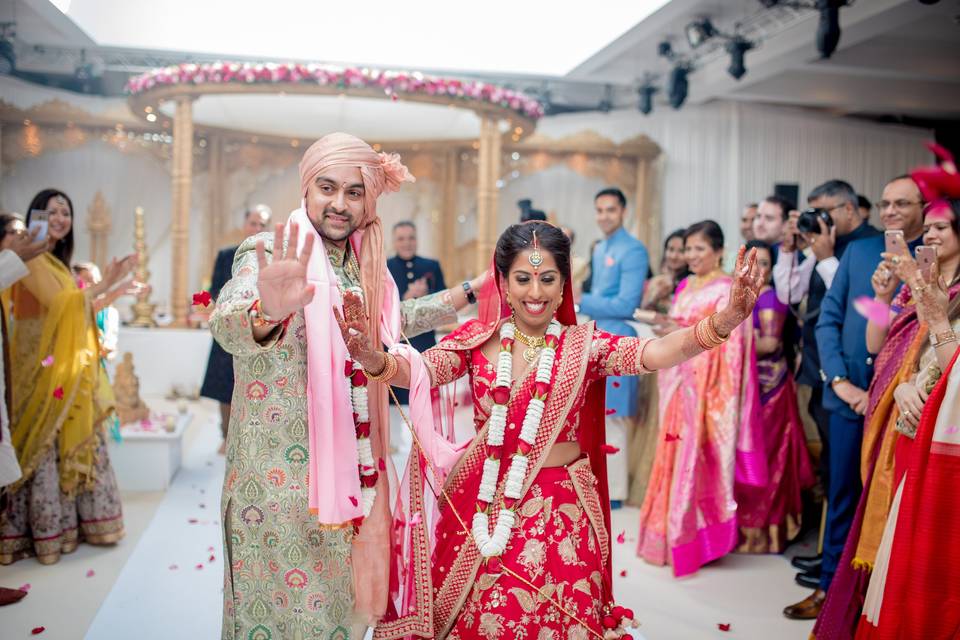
646 316
926 256
39 219
895 242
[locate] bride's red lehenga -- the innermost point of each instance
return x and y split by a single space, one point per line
561 541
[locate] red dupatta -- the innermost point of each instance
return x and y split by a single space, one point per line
922 594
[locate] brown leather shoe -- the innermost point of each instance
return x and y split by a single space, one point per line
808 608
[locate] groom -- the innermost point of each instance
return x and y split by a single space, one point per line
305 504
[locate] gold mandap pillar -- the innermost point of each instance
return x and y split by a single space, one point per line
179 236
487 195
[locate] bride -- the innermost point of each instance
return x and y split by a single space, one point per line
519 545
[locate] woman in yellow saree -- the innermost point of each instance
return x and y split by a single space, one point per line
60 400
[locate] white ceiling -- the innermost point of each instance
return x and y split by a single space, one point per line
895 57
532 36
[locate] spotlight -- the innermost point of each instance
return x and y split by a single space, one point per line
678 85
828 31
737 47
699 31
665 49
646 98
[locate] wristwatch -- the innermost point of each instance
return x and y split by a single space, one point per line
467 289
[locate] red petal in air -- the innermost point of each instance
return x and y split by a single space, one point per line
202 299
723 626
615 384
353 501
623 573
622 537
670 437
610 412
211 558
37 631
381 465
58 393
609 449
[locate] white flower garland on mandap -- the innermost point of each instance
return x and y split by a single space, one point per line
495 544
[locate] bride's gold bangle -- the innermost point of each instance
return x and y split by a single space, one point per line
390 367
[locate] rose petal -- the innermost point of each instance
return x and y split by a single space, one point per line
46 362
381 465
609 449
91 573
58 393
670 437
199 566
37 631
353 501
622 537
202 299
192 521
615 384
25 587
876 312
211 558
623 573
610 412
723 626
210 549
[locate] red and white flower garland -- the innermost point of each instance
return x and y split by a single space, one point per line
392 83
366 465
495 544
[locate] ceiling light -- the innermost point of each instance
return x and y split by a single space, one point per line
737 47
678 85
699 31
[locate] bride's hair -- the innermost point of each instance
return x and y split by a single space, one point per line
519 237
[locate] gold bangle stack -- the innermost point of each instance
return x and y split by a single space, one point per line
707 335
940 339
390 367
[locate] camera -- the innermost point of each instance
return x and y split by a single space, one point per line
808 220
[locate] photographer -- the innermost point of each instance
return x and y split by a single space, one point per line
812 279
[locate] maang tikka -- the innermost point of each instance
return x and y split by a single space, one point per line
536 258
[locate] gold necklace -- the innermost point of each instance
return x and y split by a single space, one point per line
533 343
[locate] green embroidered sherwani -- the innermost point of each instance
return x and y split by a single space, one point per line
285 577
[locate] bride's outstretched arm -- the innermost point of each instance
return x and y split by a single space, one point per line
674 348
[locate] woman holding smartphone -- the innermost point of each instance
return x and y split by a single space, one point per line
905 372
61 398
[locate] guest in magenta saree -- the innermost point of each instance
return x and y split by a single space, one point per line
770 516
709 426
537 384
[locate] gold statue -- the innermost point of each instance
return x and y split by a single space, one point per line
126 387
142 308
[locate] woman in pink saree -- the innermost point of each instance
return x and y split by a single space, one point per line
770 516
709 426
523 546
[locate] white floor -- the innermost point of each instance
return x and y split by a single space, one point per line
165 579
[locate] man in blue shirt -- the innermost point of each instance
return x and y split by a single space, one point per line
620 264
846 368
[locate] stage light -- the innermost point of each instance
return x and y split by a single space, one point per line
665 49
828 31
699 31
737 48
677 89
646 98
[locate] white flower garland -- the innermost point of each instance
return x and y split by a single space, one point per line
495 544
359 398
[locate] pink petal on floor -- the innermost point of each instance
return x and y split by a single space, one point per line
622 537
91 573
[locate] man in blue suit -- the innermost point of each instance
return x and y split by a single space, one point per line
620 263
847 366
416 277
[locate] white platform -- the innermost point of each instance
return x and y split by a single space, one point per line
149 455
164 358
